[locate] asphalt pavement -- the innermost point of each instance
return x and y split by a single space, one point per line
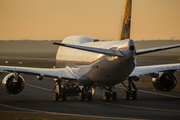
37 98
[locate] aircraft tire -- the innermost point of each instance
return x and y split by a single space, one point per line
114 96
105 96
81 96
126 95
64 96
134 95
89 95
55 96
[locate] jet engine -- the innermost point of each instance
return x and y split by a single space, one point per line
13 84
165 82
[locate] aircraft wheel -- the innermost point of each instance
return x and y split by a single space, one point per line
126 95
114 96
134 95
89 96
106 96
64 96
55 96
81 96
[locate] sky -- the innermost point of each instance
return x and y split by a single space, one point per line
100 19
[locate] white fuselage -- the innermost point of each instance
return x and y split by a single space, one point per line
108 70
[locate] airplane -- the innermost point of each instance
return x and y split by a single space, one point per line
83 63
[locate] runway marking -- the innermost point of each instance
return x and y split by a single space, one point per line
153 93
115 86
146 108
38 87
67 114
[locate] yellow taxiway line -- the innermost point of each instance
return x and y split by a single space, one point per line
91 116
38 87
153 93
117 87
137 107
145 108
67 114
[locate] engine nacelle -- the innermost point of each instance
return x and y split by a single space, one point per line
11 85
165 82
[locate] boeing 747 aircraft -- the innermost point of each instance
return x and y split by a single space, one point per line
83 63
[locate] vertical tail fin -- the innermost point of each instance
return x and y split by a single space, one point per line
124 32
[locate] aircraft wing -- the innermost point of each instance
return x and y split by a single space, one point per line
144 51
142 70
51 72
63 73
92 49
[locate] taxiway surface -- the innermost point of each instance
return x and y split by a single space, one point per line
37 97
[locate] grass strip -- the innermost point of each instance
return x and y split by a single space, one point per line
25 116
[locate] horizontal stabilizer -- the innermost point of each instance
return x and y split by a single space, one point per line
92 49
144 51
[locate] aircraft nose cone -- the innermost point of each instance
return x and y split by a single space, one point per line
131 45
132 48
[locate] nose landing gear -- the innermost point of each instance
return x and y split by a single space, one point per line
130 93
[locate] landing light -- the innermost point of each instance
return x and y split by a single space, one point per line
115 57
99 56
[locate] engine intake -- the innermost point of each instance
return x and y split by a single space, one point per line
165 82
11 85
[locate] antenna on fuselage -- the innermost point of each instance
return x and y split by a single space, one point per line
125 25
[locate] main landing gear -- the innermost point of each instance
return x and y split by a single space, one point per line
130 94
109 95
59 92
84 94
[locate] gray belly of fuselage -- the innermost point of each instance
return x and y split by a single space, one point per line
108 71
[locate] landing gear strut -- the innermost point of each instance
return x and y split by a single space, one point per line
59 92
130 93
109 95
84 94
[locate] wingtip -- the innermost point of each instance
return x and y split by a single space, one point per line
54 43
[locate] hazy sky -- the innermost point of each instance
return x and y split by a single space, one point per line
57 19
